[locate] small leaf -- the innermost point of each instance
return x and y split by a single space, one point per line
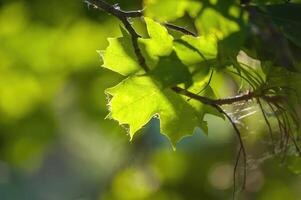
120 55
160 42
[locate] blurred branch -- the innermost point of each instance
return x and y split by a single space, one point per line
268 124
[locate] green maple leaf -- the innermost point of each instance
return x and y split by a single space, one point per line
160 42
120 55
121 49
136 100
142 96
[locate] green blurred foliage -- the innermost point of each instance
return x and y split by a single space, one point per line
38 62
55 142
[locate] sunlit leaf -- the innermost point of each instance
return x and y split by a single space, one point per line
160 42
122 49
136 100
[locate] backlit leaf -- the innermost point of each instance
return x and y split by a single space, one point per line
138 99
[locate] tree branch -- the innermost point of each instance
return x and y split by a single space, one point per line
227 101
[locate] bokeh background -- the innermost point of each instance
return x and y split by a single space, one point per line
55 143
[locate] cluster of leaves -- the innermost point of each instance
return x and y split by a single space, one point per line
141 96
229 34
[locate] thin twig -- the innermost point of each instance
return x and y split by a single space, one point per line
180 41
208 83
279 126
179 29
243 149
287 138
235 171
226 101
292 136
268 124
